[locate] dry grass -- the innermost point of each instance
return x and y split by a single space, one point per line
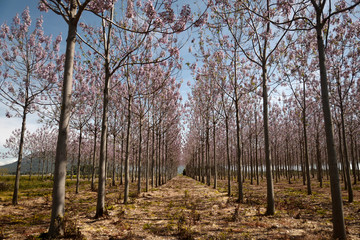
182 209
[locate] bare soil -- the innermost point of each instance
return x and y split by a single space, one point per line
185 209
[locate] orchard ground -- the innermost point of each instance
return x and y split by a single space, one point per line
181 209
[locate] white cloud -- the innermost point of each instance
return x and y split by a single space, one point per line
7 161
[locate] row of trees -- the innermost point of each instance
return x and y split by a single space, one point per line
271 81
116 101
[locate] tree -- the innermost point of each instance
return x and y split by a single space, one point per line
71 12
28 69
316 15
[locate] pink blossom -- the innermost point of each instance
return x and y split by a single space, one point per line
150 10
42 6
26 18
31 41
39 22
202 20
16 20
57 42
101 5
174 52
168 16
130 9
4 30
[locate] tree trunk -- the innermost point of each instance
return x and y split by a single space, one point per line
140 148
78 163
346 157
114 159
207 152
270 210
353 158
215 163
21 145
153 151
58 195
308 181
318 158
100 206
337 205
93 162
202 162
147 157
30 171
127 151
122 158
256 150
159 155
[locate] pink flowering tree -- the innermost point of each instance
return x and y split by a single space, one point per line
83 106
28 70
316 16
12 144
343 68
71 12
118 39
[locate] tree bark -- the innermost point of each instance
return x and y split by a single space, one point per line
346 156
127 151
78 163
308 181
147 157
214 146
140 148
114 159
20 155
270 210
337 205
100 206
58 196
93 162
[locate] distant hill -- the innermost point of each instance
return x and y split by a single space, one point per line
36 167
25 166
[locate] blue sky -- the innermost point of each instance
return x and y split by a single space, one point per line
54 25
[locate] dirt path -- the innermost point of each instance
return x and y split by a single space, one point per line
186 209
180 209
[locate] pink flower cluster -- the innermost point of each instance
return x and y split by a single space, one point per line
168 15
185 16
150 10
101 5
130 9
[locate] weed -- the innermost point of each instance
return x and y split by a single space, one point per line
322 212
170 226
171 204
181 221
133 194
186 194
236 216
223 236
30 237
110 207
72 230
147 226
4 187
184 228
2 234
38 219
